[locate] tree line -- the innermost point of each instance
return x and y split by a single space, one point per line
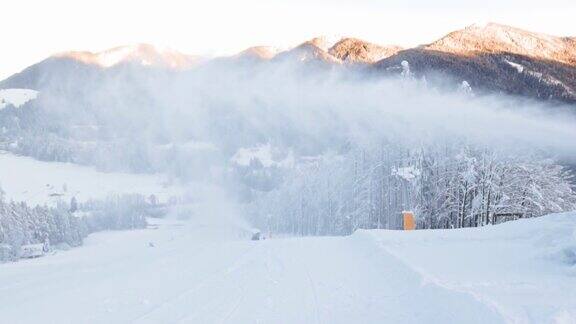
446 186
66 224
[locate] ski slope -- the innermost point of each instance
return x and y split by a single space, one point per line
204 271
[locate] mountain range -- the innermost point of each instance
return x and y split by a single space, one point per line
490 58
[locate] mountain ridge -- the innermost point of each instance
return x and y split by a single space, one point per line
144 54
491 57
471 40
499 38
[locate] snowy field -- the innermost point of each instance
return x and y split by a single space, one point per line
16 97
202 271
36 182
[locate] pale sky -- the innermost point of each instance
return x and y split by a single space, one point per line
32 30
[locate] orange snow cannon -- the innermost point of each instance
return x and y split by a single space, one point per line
408 220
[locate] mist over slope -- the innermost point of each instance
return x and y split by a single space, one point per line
268 126
306 108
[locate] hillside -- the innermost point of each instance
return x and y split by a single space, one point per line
39 183
496 58
501 73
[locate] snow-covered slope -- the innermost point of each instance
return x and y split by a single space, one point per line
143 54
497 38
314 50
259 52
196 272
16 97
37 182
525 270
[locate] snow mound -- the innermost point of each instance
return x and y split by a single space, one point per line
16 97
525 269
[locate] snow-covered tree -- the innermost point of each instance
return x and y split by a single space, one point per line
447 186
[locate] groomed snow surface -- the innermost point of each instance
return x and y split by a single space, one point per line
205 271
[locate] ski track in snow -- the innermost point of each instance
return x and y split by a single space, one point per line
201 274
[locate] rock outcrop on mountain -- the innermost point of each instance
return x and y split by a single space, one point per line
353 50
339 51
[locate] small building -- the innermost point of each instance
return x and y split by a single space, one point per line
31 251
